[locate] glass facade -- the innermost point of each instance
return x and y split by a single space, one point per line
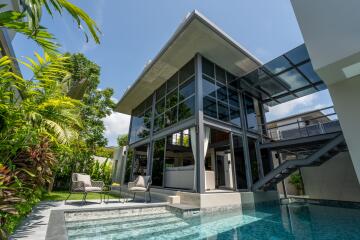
173 152
174 102
220 100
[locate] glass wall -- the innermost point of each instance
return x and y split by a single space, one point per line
140 161
175 99
253 159
141 121
220 100
253 113
240 169
179 161
158 162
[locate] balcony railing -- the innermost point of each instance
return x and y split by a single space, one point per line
325 121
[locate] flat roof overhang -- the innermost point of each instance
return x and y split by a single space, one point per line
195 35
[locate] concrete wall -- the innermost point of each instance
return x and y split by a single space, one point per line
333 180
331 31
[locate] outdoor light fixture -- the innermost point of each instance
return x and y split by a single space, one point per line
352 70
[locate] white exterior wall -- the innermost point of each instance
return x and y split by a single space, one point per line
331 31
333 180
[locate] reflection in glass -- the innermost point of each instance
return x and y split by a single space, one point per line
187 108
172 83
240 169
208 67
272 87
172 99
160 106
158 162
209 106
187 71
277 65
159 123
253 160
293 79
140 161
309 72
252 112
298 54
209 88
222 93
171 116
233 98
223 111
220 75
235 115
187 89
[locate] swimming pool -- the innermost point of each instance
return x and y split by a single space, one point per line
293 221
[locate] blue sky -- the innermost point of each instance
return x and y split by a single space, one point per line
133 31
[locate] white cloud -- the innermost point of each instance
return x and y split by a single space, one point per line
303 104
116 124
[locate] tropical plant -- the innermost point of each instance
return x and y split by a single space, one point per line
296 181
33 130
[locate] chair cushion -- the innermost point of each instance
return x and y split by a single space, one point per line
85 179
92 189
142 181
138 189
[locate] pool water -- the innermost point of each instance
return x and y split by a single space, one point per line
293 221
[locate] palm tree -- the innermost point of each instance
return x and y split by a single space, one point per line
27 22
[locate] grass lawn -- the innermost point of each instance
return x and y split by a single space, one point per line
62 195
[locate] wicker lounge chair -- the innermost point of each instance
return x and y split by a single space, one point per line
141 184
82 183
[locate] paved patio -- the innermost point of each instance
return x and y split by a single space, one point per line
35 225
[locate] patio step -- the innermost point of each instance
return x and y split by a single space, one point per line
118 220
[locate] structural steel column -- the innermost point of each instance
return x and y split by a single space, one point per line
200 132
149 163
245 142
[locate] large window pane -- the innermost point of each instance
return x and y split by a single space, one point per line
179 161
187 71
223 111
160 92
222 93
209 105
172 83
220 75
240 169
233 98
309 72
140 161
251 113
278 65
235 115
187 108
158 163
171 116
253 159
160 106
298 54
293 79
172 99
209 87
187 89
208 67
159 123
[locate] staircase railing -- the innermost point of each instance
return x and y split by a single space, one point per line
303 125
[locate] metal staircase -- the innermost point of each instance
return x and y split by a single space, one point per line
331 148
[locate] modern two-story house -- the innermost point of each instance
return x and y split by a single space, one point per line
198 117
